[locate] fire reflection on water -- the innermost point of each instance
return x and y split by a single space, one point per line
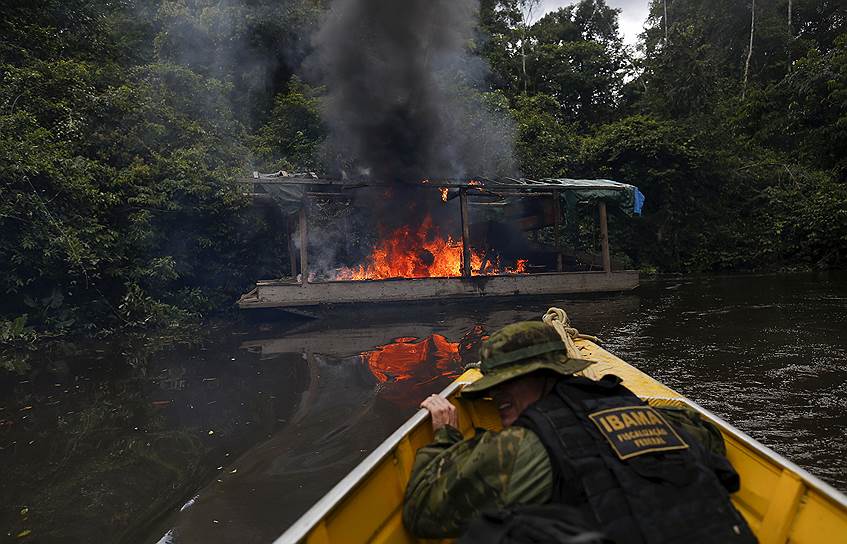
407 364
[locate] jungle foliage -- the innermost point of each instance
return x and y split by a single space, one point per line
740 173
123 128
125 125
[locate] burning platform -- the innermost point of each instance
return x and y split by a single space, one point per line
507 241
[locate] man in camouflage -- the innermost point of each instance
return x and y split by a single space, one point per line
526 371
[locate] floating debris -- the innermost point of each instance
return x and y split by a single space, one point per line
188 504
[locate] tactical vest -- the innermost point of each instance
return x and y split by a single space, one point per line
641 479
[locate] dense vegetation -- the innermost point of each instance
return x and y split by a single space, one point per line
124 126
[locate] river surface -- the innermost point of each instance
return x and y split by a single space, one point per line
230 433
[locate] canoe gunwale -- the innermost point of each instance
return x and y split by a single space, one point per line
808 479
324 506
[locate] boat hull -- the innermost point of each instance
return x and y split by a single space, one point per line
281 294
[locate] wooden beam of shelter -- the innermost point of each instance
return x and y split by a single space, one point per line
304 248
466 246
512 193
346 184
557 219
292 246
604 238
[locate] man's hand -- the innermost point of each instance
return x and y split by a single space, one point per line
442 412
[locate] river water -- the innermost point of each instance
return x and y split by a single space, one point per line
230 433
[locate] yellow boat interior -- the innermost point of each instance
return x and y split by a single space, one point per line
782 502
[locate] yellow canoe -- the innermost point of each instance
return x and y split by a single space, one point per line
781 502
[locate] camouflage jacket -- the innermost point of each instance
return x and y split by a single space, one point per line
454 479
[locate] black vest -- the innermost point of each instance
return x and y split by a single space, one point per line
640 478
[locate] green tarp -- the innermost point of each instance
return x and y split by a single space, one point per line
626 198
289 198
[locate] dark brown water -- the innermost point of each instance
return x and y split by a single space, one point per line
229 434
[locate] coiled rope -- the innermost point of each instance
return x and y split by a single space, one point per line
558 319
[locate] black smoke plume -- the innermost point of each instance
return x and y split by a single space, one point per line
403 92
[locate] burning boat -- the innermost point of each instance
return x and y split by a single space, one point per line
446 239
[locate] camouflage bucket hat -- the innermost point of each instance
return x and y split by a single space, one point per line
519 349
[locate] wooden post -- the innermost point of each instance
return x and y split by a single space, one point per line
466 246
292 247
304 248
557 221
604 238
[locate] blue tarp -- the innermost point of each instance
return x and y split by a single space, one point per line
639 201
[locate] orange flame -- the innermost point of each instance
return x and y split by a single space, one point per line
520 267
444 191
474 182
421 253
411 254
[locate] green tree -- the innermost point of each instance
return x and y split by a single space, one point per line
291 137
664 162
117 173
574 56
546 145
803 114
255 46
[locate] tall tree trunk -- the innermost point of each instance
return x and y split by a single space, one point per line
790 36
789 18
665 2
527 10
749 49
523 60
